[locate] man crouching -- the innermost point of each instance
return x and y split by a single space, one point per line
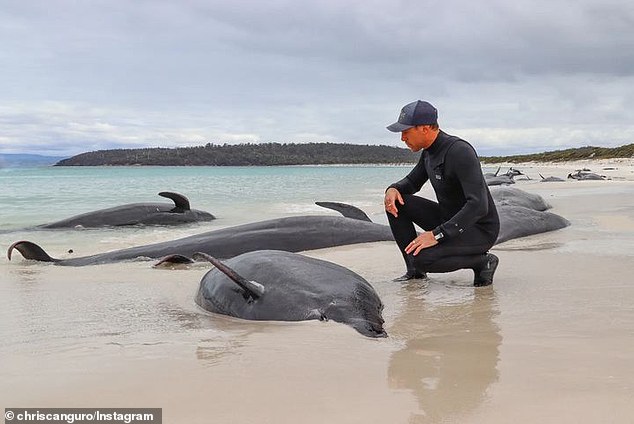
463 225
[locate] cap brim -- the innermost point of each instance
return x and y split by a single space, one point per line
398 127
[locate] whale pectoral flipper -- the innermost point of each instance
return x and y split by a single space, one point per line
30 250
346 210
252 289
181 202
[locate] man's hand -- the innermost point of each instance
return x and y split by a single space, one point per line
422 241
392 196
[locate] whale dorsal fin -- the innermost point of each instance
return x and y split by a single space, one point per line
346 210
30 250
252 289
181 202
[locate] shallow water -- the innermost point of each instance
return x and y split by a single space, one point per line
31 196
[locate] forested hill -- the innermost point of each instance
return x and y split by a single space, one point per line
580 153
271 154
247 155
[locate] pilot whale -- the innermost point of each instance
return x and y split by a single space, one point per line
520 221
137 214
275 285
511 196
585 174
292 234
299 233
550 179
523 214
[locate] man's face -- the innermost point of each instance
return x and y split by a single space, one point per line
417 138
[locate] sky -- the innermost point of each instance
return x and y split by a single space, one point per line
508 76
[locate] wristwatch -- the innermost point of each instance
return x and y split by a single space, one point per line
438 235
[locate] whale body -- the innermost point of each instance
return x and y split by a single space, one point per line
520 221
137 214
282 286
511 196
292 234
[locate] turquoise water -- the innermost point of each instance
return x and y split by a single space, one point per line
32 196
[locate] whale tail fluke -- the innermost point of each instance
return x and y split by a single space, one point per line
181 202
252 289
346 210
30 250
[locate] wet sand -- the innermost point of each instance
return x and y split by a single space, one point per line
549 342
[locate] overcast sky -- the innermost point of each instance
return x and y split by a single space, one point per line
509 76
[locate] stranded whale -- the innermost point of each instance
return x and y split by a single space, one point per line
281 286
511 196
523 214
585 174
520 221
137 214
300 233
292 234
494 179
550 179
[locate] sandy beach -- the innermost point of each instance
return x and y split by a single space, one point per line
549 342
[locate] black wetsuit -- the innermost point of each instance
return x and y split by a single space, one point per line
465 214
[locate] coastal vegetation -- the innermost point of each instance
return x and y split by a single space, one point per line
580 153
266 154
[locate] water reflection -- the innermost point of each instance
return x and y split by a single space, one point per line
450 351
513 245
27 274
212 351
185 319
224 336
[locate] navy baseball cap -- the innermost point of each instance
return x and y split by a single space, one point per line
413 114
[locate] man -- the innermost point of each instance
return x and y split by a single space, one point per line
462 226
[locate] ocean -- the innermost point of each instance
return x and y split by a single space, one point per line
235 195
31 196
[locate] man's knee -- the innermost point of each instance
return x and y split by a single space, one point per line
416 208
406 212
